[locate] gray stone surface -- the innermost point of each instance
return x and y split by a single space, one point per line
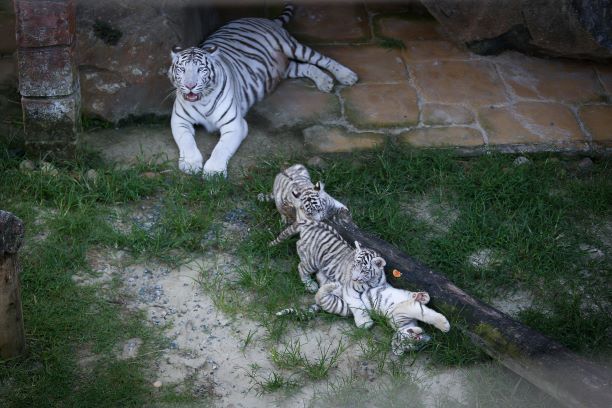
124 53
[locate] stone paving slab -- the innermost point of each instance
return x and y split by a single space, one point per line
324 139
297 102
531 122
605 75
330 23
373 64
440 114
546 79
381 105
598 120
417 51
442 137
474 83
406 29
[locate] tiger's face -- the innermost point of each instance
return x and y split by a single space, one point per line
192 72
368 266
311 203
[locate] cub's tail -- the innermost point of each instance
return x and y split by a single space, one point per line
265 198
285 15
288 232
300 314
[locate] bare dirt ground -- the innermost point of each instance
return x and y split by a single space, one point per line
223 359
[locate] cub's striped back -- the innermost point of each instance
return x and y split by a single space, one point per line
297 199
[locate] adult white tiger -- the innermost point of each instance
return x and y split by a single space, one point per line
235 67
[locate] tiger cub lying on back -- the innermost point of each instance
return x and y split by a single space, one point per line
401 307
298 199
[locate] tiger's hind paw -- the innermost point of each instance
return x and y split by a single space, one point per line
347 77
324 83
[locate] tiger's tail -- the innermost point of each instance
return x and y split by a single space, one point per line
285 15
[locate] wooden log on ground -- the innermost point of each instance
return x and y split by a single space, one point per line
571 379
12 336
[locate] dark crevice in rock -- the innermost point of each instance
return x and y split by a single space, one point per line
517 38
106 32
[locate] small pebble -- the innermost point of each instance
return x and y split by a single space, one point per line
91 175
48 168
585 164
157 384
519 161
26 166
317 162
149 174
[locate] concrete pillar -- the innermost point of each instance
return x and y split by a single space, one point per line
48 76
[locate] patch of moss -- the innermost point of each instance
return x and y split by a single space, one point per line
492 335
392 43
106 32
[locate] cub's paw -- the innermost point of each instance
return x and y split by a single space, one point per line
190 165
442 324
408 339
311 286
421 297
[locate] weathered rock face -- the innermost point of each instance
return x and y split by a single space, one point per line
562 28
124 53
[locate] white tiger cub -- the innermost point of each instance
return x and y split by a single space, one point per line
235 67
324 253
298 199
402 307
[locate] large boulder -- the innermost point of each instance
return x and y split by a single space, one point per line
124 53
560 28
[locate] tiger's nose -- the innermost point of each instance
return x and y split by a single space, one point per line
190 85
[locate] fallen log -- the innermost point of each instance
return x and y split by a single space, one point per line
569 378
12 336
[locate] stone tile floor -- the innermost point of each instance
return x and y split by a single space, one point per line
418 88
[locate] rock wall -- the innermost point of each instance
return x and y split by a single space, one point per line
123 53
560 28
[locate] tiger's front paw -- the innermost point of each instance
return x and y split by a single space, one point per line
191 164
214 169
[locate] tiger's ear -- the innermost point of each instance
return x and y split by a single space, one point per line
379 262
319 186
175 51
210 49
296 194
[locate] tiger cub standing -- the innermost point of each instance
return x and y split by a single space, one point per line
402 307
298 199
217 82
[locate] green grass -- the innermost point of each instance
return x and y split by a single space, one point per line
532 218
63 320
